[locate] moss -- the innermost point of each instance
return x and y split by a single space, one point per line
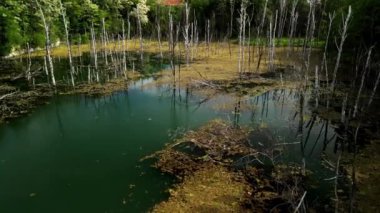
220 172
211 189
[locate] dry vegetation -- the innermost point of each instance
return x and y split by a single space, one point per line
216 162
212 189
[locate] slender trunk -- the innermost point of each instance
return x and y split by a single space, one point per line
186 33
94 53
208 37
140 35
69 51
324 60
159 38
366 68
293 22
272 43
50 67
29 65
128 34
340 48
374 89
124 54
104 41
242 20
258 42
232 9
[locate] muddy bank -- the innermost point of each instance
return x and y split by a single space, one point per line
15 103
221 148
18 97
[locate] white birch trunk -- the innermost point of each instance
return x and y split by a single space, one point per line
69 51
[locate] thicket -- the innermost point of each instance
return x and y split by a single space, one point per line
21 25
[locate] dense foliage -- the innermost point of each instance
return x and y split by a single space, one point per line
20 21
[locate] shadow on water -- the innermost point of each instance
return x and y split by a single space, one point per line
84 66
81 154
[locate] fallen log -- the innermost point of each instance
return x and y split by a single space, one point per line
7 95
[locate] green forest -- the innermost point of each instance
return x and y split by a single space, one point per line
21 24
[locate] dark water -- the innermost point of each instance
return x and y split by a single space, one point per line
81 154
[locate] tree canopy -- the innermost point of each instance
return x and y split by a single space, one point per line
20 21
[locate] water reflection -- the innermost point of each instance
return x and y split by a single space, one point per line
98 142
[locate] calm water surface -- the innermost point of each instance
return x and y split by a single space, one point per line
81 154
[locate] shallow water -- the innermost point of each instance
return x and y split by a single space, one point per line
81 154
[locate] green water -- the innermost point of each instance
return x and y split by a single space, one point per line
81 154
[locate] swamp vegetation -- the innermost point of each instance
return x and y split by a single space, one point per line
189 106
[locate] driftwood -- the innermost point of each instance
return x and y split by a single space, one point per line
205 83
301 201
19 76
7 95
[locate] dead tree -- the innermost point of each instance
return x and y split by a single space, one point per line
186 33
272 38
232 9
158 23
50 67
282 17
343 34
124 53
258 41
374 89
292 26
93 50
104 41
68 44
28 74
366 68
242 22
324 60
140 35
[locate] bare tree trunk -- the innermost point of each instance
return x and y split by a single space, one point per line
324 60
232 8
293 23
94 53
249 43
159 38
69 51
272 38
362 81
309 37
282 18
374 89
104 41
47 44
124 54
29 65
128 34
140 35
258 42
89 74
242 20
208 37
186 33
196 37
172 45
340 48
